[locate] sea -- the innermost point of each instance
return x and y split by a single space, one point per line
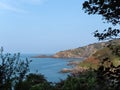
49 67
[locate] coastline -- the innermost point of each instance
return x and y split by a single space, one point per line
52 56
75 69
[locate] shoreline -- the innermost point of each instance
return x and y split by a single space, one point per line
75 69
52 56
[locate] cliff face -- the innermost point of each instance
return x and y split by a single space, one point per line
81 52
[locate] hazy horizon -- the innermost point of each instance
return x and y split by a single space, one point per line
45 26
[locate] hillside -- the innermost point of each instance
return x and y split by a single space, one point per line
101 52
94 60
85 51
81 52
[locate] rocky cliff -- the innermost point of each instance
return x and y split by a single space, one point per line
81 52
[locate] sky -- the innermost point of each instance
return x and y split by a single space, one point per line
46 26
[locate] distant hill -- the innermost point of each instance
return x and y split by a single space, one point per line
85 51
81 52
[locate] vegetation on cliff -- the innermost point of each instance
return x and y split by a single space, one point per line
87 51
81 52
96 58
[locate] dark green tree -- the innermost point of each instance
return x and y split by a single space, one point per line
12 70
31 80
110 11
108 78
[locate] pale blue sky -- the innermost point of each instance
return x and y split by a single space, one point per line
45 26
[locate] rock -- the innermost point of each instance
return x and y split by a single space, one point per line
66 70
73 63
77 70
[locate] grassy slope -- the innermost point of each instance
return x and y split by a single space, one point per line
94 60
84 51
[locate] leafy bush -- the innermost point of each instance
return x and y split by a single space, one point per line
42 86
30 81
12 70
108 77
85 80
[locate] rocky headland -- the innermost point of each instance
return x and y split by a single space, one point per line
80 52
91 55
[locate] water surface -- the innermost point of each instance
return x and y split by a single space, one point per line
49 67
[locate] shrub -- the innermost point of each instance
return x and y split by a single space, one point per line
83 81
32 81
12 70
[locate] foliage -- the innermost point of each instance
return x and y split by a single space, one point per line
90 62
31 80
12 70
109 9
108 76
107 34
85 80
34 79
42 86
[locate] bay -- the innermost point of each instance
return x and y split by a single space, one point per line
49 67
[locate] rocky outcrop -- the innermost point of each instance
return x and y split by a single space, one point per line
66 70
76 70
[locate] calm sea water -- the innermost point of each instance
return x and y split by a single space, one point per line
49 67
